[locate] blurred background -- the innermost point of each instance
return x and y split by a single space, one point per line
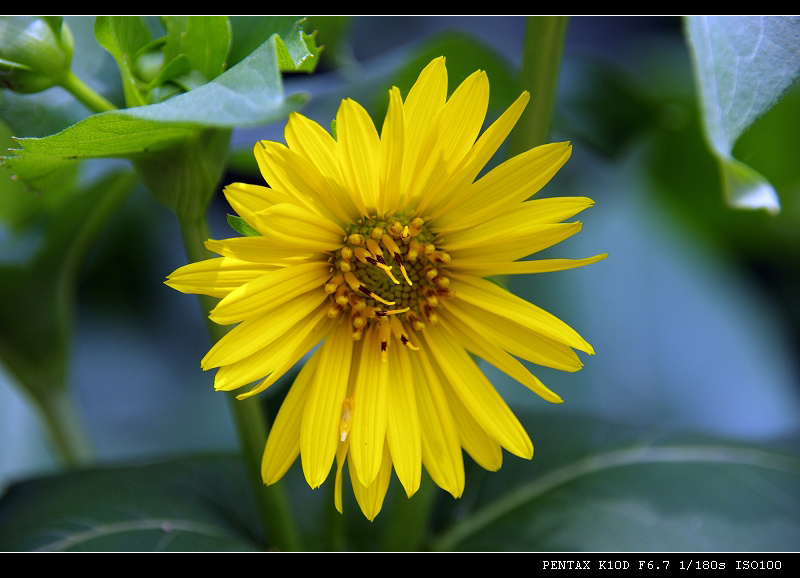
694 316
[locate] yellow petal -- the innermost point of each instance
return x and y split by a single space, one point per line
392 148
253 334
359 152
216 277
370 497
478 395
276 358
480 154
402 423
515 338
485 348
490 297
489 269
283 443
454 134
368 431
505 186
269 291
441 449
248 199
512 244
319 434
261 250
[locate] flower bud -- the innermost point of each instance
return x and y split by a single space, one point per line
35 53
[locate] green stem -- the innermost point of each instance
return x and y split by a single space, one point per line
251 425
66 430
81 91
541 63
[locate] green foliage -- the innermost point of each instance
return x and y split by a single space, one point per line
35 53
240 226
743 66
192 504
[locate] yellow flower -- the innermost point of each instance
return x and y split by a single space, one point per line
378 246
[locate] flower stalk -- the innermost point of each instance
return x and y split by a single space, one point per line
84 94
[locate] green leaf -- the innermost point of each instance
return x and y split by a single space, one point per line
743 66
240 226
250 93
124 37
297 51
205 40
588 494
191 504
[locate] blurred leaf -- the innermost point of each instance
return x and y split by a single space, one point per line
743 66
700 497
249 93
124 37
205 40
35 331
191 504
297 51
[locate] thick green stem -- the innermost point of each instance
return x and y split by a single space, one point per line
541 63
81 91
273 504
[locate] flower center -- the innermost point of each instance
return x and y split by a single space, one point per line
390 273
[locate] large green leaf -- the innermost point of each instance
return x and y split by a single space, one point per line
585 492
123 37
206 40
250 93
192 504
743 66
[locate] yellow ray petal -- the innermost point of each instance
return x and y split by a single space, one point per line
441 449
507 185
370 498
359 152
481 447
477 157
319 434
490 268
490 297
451 138
248 199
269 291
422 107
402 424
216 277
392 149
478 395
283 443
478 344
370 408
277 357
529 214
341 457
262 250
515 338
253 334
512 244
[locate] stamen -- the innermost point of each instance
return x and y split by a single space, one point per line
385 333
356 239
415 226
376 233
405 235
356 302
395 229
399 333
413 250
330 286
415 321
347 417
341 295
440 257
362 254
392 247
431 272
347 252
334 310
356 285
375 249
345 266
442 281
